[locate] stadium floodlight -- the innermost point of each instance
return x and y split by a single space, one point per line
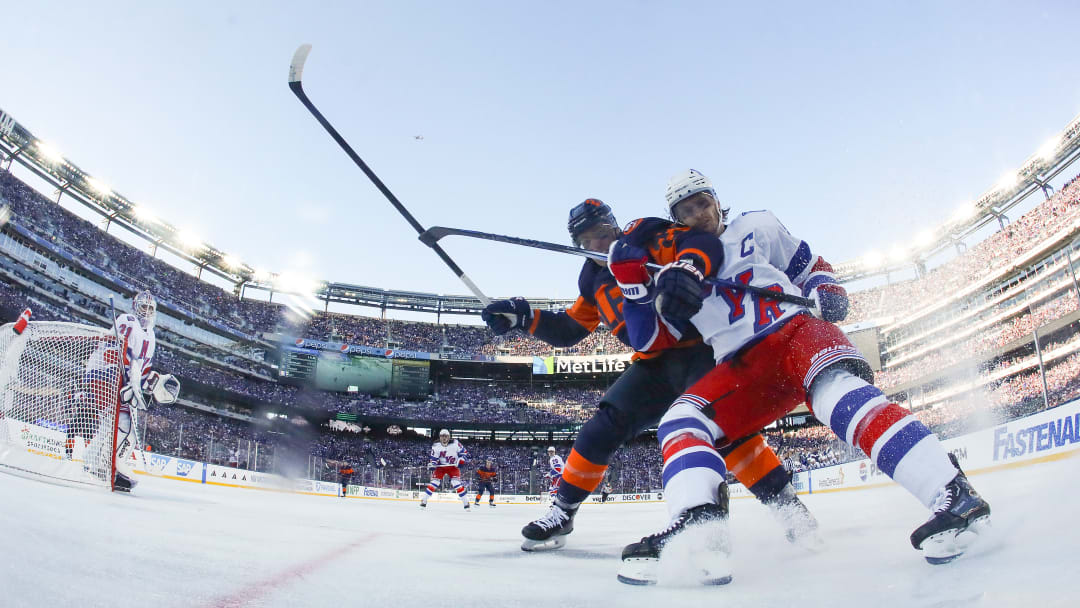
898 254
145 214
261 275
189 240
1008 181
1047 150
873 260
231 261
964 213
295 283
924 238
50 153
98 186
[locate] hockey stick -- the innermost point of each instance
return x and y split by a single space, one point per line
295 72
432 235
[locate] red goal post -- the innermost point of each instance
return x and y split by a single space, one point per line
59 399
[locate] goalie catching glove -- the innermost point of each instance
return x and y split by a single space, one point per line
504 315
164 387
679 294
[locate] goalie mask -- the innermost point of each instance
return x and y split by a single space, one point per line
144 307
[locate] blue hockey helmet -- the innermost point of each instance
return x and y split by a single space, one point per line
590 212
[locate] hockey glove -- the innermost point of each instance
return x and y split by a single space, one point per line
127 397
504 315
627 265
831 302
150 381
679 293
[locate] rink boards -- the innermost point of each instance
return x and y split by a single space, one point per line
1048 435
1044 436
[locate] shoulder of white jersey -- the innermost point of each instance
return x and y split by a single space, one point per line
759 217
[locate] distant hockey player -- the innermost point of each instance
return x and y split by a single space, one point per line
640 396
345 474
554 474
605 491
486 476
446 456
136 331
771 357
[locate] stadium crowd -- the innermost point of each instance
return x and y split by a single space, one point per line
998 251
237 386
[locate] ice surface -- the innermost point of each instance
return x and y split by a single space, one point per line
182 544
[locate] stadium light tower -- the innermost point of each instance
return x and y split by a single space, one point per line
1048 149
50 153
189 240
146 214
1008 181
99 187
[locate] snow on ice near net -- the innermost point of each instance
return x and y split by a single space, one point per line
181 544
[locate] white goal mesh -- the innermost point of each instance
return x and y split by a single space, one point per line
59 395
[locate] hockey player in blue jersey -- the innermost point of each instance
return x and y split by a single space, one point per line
638 397
771 356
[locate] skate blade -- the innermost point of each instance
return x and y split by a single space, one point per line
645 571
945 547
639 571
555 542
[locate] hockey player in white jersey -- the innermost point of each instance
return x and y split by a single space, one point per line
554 474
447 455
771 356
136 332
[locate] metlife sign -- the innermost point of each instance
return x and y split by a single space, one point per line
614 364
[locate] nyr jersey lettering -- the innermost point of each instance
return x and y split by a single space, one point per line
758 251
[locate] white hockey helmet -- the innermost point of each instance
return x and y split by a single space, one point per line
144 307
444 433
551 450
687 183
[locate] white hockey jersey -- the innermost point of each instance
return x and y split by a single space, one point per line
453 454
759 251
139 345
556 465
755 249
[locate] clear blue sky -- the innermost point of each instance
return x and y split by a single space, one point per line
857 123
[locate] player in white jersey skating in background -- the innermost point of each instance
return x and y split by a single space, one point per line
447 455
554 474
771 356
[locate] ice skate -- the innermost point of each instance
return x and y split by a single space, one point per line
706 551
423 505
800 525
960 515
548 532
466 505
491 504
123 483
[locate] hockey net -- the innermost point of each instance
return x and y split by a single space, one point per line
59 397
